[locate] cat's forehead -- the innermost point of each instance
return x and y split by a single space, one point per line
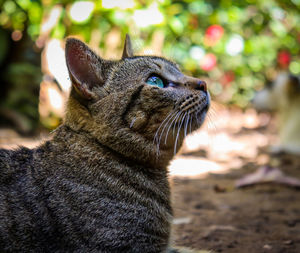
162 64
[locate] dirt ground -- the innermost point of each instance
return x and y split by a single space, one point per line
213 215
210 212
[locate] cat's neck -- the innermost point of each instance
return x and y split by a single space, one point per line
91 158
87 145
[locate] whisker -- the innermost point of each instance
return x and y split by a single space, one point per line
175 124
197 119
191 124
157 131
178 131
213 110
186 124
167 134
211 123
163 129
161 124
132 122
213 114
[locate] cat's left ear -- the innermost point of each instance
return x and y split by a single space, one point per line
127 51
84 68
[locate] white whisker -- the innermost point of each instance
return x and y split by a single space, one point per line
211 123
157 131
175 123
186 124
197 119
132 122
161 124
167 134
178 132
163 129
191 124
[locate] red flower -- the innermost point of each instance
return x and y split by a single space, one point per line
208 62
213 34
227 78
284 58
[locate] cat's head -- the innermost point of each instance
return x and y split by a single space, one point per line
139 106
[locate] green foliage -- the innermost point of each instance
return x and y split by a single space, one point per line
22 98
235 44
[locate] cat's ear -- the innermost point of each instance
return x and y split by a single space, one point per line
127 51
84 68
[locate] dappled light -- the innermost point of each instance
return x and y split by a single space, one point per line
81 11
147 17
221 145
119 4
56 64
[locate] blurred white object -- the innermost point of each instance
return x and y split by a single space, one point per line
283 97
235 45
267 175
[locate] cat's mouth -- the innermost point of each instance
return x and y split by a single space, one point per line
196 106
186 117
193 117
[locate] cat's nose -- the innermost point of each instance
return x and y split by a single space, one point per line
201 85
196 84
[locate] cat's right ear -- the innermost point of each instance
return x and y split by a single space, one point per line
84 68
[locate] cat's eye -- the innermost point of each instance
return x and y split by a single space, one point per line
156 81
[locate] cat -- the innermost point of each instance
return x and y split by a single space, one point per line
101 183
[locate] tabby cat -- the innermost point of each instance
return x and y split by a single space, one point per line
100 184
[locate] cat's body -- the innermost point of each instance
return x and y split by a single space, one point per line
61 197
100 184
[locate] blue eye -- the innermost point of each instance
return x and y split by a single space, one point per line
156 81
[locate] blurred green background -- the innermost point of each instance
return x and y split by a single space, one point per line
237 46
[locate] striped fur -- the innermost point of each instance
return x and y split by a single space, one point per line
100 184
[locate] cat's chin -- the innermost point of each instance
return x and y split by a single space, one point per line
171 146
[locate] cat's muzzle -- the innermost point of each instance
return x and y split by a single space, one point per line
194 104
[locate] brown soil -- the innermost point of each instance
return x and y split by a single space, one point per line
261 218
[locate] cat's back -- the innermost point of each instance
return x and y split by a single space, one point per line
13 163
14 197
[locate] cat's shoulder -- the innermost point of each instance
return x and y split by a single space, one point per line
20 152
19 157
